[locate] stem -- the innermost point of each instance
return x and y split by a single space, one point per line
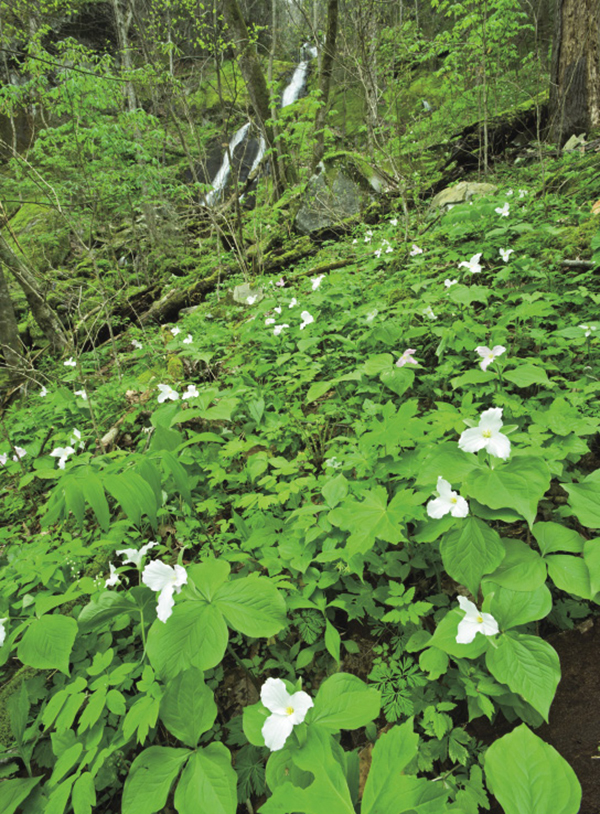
241 664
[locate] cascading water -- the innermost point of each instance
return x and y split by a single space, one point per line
221 177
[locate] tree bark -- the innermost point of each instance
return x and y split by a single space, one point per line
43 314
325 80
10 346
575 69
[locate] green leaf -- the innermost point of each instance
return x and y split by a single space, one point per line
445 638
570 574
512 608
171 466
434 662
519 484
591 555
470 551
398 379
446 461
528 776
377 363
13 792
188 707
252 605
335 490
253 720
526 375
84 794
194 635
208 576
94 494
318 389
522 568
104 607
48 642
18 710
345 702
472 377
134 495
150 779
393 751
584 500
528 665
332 641
208 783
553 537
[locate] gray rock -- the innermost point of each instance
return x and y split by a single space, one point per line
462 192
330 198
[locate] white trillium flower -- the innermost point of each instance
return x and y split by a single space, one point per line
81 393
19 453
448 283
175 331
287 711
270 321
252 299
503 211
293 302
3 458
43 392
509 192
487 435
278 309
489 355
62 453
279 328
135 556
280 282
378 253
588 329
167 580
394 222
306 319
136 344
447 501
428 312
474 622
371 315
70 362
407 358
191 392
113 579
389 250
75 439
522 193
167 392
316 281
188 340
505 254
415 250
3 630
473 265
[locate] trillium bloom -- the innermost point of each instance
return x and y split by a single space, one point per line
188 340
473 264
394 222
503 211
407 358
428 312
19 453
489 355
287 711
191 392
487 435
136 344
279 328
522 193
62 453
378 253
306 319
371 315
449 283
415 250
280 283
70 362
389 250
316 281
81 393
270 321
3 630
113 579
447 501
167 580
167 392
252 299
293 302
134 556
588 329
75 440
505 254
278 309
474 622
43 392
509 192
3 458
175 331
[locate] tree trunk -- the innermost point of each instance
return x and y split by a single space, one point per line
325 80
43 314
10 346
575 70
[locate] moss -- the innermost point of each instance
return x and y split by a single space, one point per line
175 368
577 239
9 688
41 233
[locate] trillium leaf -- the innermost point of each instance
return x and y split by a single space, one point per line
398 379
529 666
254 717
252 605
527 375
447 461
584 500
194 635
470 551
591 554
104 607
94 494
335 490
188 707
511 608
522 568
528 776
378 363
345 702
208 576
553 537
520 484
48 642
570 574
472 377
208 783
150 779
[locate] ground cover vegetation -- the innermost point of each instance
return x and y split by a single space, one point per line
279 551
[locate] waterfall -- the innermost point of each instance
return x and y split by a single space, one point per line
221 177
292 92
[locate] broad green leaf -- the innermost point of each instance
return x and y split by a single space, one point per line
512 608
434 662
472 377
134 495
528 665
94 494
398 379
526 375
208 576
252 605
519 484
522 568
18 711
345 702
48 642
13 792
335 490
318 389
553 537
470 551
83 796
591 555
377 363
74 499
446 461
171 465
570 574
65 762
584 500
528 776
194 635
393 751
332 641
253 720
188 706
150 779
208 783
104 607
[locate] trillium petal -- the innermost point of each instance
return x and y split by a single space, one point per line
467 630
157 575
300 702
438 508
276 730
491 419
180 578
130 555
472 440
460 508
274 696
467 606
444 488
164 607
489 626
499 446
2 631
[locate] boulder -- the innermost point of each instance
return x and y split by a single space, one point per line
462 192
332 195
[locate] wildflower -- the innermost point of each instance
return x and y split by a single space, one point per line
378 253
70 362
447 501
428 312
3 630
81 393
473 264
449 283
316 281
62 453
394 222
277 309
522 193
368 236
167 392
280 283
279 328
389 250
287 711
487 435
76 439
252 299
293 302
175 330
137 345
188 340
474 622
3 458
270 321
407 358
509 192
489 355
355 240
43 392
415 250
113 578
505 254
371 315
166 580
135 556
190 393
19 453
306 319
333 463
588 329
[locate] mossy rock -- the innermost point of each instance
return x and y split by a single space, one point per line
41 233
576 240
